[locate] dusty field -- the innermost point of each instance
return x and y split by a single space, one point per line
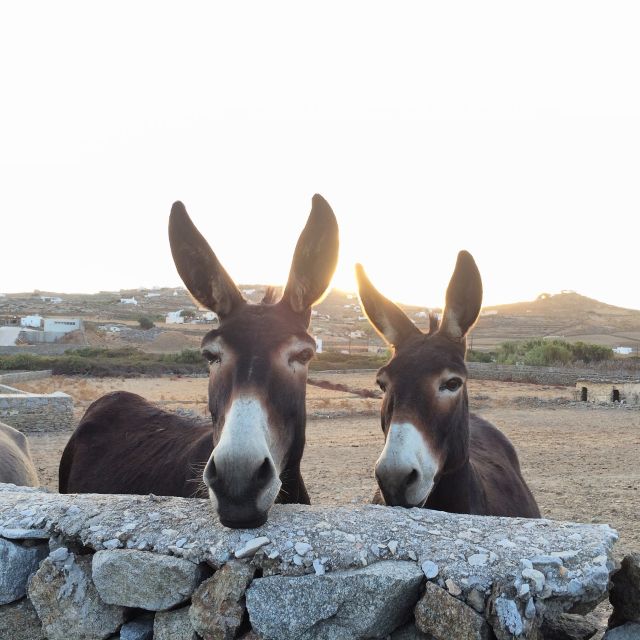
581 462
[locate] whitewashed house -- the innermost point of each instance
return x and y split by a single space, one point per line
174 317
128 301
62 325
52 299
34 321
623 351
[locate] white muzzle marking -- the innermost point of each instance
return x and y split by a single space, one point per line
245 441
406 451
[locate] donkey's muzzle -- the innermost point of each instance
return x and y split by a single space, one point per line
243 490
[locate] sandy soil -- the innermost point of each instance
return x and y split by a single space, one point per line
581 461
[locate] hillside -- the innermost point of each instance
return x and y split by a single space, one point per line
338 319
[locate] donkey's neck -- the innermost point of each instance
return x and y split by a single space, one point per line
293 490
457 492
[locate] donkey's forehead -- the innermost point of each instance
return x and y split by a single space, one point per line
265 326
425 355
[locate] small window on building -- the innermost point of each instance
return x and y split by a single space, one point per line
615 395
583 394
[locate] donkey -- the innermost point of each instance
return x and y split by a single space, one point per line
258 364
16 465
437 455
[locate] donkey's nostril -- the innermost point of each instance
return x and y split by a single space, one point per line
412 478
265 472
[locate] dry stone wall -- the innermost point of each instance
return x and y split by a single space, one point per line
97 566
32 412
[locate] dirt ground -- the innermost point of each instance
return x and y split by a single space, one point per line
581 461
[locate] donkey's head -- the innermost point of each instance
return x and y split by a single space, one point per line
425 412
258 360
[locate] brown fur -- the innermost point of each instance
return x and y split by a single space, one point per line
260 351
478 469
16 466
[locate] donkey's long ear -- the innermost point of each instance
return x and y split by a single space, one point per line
198 266
464 299
314 259
387 318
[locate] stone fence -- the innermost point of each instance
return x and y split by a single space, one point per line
13 377
97 566
35 412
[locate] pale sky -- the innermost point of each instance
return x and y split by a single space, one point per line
508 129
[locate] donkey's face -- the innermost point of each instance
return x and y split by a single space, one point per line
258 361
425 409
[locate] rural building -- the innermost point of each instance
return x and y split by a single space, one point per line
128 301
609 391
623 351
53 299
34 321
62 325
174 317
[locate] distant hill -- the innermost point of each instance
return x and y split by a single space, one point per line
340 321
566 315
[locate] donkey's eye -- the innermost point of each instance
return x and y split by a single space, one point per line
381 384
452 384
211 357
302 356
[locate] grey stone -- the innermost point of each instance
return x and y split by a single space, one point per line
567 626
430 569
475 598
509 620
625 592
368 602
218 604
19 621
143 579
250 548
536 579
17 533
409 632
453 587
138 629
68 604
17 563
173 625
444 617
628 631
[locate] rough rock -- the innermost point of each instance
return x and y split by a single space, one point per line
444 617
19 621
628 631
143 579
173 625
409 632
18 563
218 604
138 629
625 592
567 626
68 604
368 602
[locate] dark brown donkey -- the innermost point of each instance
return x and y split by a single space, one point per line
436 454
258 359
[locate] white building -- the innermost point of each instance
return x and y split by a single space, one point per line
53 299
62 325
34 321
623 351
128 301
174 317
210 316
152 295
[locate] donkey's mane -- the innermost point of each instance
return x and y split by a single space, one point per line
433 322
271 295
